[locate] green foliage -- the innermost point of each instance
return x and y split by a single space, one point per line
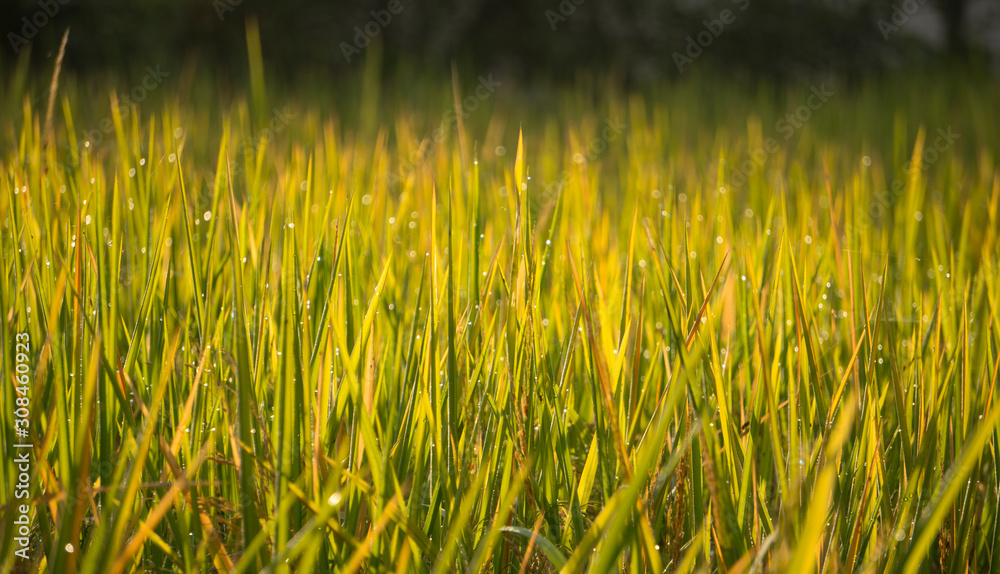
564 336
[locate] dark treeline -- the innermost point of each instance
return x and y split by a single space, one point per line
640 38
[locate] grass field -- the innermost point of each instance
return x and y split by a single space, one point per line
433 325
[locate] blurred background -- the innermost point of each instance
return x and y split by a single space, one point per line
640 40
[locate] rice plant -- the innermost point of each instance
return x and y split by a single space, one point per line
407 327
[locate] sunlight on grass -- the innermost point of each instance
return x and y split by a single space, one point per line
617 331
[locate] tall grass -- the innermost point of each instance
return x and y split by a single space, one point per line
346 346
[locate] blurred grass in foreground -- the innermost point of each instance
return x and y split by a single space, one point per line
577 329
